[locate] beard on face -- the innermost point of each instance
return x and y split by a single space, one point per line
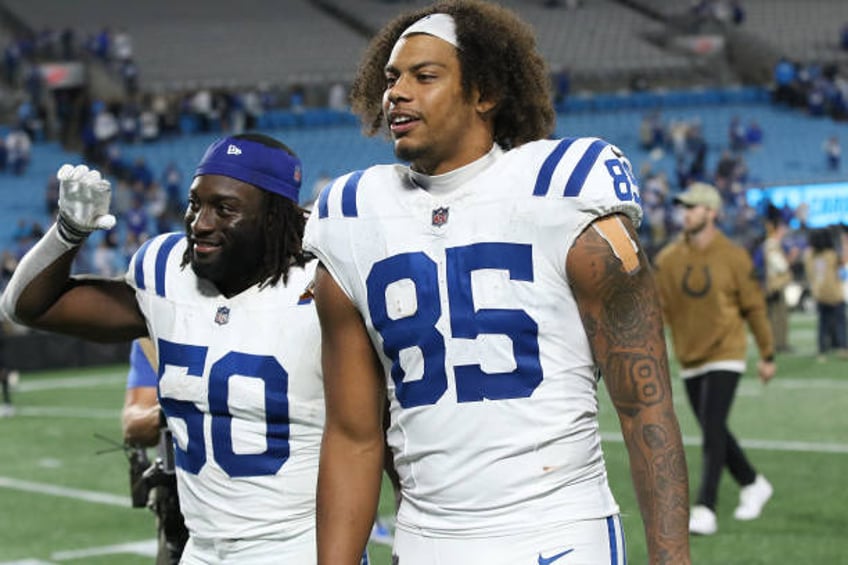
696 228
239 258
406 153
421 158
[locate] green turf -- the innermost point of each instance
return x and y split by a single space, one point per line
52 442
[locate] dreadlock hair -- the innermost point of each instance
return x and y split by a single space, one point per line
497 54
282 224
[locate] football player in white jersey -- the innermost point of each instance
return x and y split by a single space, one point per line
228 307
482 289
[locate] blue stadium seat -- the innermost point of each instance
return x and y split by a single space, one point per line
188 124
283 119
578 103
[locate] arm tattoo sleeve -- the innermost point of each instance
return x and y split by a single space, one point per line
622 317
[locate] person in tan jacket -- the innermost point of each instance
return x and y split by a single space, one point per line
778 275
821 265
709 293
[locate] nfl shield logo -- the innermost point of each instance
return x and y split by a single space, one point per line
222 316
440 216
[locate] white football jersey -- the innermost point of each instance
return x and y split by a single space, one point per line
240 384
490 376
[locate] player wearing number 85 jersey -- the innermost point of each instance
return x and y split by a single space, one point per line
481 289
236 334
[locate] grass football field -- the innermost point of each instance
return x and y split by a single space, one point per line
62 502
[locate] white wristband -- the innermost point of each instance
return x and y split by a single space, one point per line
42 255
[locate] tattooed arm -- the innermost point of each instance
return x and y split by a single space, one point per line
618 301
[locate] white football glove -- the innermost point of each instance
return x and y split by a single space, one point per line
83 203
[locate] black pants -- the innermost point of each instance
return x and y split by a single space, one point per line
711 396
4 386
831 326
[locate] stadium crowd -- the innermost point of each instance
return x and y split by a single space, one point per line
820 90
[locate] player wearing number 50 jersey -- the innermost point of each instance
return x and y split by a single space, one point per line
481 289
240 383
236 334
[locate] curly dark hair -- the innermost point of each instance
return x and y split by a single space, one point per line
497 55
283 225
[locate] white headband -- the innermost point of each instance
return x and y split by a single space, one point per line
437 25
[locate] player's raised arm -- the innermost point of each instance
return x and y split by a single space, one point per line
351 466
42 294
618 302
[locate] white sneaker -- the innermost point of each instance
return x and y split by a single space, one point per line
752 498
702 521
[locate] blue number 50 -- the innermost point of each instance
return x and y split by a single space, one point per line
275 380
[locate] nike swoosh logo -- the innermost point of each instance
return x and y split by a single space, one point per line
552 558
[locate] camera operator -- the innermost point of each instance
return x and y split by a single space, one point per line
153 485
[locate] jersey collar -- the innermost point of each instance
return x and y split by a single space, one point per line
448 182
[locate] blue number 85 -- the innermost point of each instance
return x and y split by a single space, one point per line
419 329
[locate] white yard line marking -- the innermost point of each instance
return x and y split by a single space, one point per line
146 548
754 387
801 384
69 412
804 446
28 385
65 492
765 444
750 385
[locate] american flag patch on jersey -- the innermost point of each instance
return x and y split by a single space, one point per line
440 216
222 316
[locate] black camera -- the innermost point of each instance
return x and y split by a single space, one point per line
139 488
